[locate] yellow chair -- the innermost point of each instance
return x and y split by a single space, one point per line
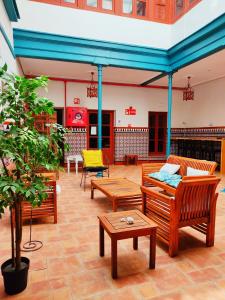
92 163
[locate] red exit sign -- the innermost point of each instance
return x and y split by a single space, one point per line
130 111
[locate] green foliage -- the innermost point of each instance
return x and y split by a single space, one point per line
27 149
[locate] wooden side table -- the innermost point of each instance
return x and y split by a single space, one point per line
131 158
118 230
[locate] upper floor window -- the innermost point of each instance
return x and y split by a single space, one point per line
100 4
134 7
166 11
179 7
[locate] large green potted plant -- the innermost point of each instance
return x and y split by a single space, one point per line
28 151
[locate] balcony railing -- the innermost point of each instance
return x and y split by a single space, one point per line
163 11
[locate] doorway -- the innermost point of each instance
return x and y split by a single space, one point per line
60 120
59 115
107 133
157 123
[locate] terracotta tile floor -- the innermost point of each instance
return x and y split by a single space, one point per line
69 267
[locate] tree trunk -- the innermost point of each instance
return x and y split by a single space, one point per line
12 237
18 219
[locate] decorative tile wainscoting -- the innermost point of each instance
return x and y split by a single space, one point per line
131 141
77 141
127 141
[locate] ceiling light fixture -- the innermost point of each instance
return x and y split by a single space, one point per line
92 90
188 93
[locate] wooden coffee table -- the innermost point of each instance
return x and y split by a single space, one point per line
118 230
120 191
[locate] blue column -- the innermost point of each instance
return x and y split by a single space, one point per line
170 96
99 106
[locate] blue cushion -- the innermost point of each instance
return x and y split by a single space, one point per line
171 179
161 176
173 182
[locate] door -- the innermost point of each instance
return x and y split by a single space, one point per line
157 133
107 133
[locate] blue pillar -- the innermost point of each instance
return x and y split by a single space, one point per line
170 96
99 106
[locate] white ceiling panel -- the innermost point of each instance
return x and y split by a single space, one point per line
71 70
205 70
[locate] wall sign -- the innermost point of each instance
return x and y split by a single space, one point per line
76 116
130 111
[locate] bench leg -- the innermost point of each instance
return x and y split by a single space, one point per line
101 240
152 251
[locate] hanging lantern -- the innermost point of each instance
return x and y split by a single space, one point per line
188 93
92 90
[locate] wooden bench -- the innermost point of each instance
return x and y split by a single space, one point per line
48 207
184 162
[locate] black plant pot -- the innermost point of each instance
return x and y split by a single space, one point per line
15 281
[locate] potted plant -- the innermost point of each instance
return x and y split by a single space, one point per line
28 151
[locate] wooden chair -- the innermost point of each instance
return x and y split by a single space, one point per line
194 204
92 163
48 207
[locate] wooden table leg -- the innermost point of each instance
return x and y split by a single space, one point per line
114 257
92 192
152 251
101 240
135 243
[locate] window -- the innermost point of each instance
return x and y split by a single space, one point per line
127 6
179 7
100 4
107 4
135 8
70 3
92 3
141 8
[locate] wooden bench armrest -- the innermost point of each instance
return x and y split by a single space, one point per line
157 195
198 177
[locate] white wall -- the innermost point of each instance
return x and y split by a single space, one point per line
202 14
118 98
208 108
5 53
93 25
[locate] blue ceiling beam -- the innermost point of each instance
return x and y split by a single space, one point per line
200 44
204 42
153 79
12 10
57 47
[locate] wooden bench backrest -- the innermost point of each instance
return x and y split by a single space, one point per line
185 162
195 198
